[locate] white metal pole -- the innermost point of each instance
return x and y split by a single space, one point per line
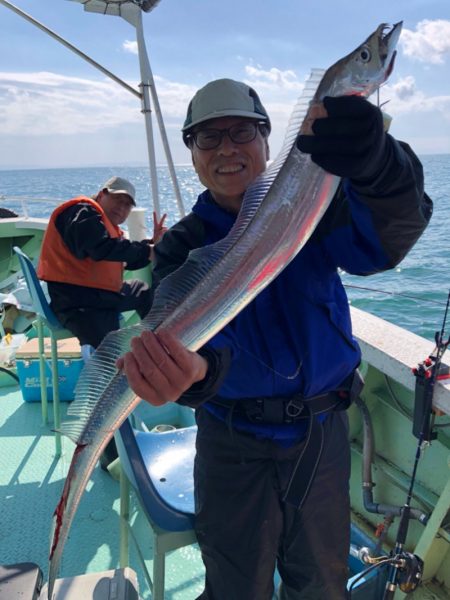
147 76
146 108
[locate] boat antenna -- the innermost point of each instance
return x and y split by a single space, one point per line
406 569
131 11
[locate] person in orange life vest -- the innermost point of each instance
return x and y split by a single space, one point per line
83 257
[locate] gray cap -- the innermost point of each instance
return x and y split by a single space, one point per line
224 98
119 185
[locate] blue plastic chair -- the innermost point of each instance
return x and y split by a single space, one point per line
47 318
159 468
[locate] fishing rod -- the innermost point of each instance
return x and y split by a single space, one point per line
406 569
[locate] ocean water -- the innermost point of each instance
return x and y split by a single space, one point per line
413 295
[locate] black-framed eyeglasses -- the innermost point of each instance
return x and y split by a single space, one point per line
240 133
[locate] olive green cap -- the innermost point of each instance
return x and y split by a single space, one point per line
224 98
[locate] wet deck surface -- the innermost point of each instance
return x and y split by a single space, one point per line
31 481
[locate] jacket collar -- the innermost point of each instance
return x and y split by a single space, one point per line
208 210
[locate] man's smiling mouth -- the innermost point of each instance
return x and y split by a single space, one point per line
229 169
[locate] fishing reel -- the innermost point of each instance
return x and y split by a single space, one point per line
409 567
409 571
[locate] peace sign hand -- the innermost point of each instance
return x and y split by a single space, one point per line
158 227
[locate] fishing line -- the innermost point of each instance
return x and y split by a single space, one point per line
357 287
274 371
363 574
416 298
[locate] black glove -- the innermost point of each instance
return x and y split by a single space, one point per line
351 141
218 365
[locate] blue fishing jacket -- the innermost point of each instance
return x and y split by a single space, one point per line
296 335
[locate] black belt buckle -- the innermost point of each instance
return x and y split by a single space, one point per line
294 410
279 410
254 410
275 411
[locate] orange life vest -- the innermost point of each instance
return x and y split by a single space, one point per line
57 263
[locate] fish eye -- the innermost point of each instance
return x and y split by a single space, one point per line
365 55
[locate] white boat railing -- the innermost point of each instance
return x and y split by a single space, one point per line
23 203
135 227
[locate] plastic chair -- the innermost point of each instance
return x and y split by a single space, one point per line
159 468
47 318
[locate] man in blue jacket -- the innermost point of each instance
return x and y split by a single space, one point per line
270 390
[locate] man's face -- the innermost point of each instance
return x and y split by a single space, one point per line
230 168
116 206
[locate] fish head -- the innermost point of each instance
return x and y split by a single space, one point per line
366 68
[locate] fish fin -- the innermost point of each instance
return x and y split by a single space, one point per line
71 429
252 197
299 112
96 375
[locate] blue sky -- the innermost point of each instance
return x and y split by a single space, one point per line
58 111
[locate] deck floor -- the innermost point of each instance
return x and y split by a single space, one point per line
31 481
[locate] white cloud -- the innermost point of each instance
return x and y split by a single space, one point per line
130 47
279 91
430 43
273 80
44 103
404 89
404 97
174 98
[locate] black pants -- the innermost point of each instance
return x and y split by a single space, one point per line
244 529
92 313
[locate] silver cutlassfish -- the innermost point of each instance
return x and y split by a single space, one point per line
280 211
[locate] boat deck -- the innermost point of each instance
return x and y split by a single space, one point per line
31 481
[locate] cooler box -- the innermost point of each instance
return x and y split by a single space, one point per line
70 364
